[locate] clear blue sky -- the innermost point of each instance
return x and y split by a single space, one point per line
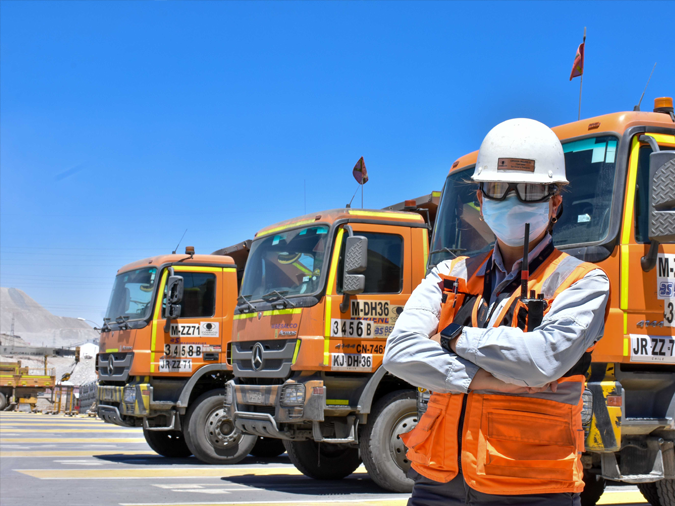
124 123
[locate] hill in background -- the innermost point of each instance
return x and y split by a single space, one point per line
37 326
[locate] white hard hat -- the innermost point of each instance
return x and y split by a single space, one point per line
521 150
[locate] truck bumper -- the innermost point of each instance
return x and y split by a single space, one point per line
116 402
269 410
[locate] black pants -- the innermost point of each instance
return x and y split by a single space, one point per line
427 492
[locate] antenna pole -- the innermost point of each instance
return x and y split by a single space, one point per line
350 202
181 240
637 107
581 82
361 195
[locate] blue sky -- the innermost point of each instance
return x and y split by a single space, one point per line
124 123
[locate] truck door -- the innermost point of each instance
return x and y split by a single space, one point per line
358 334
181 349
649 320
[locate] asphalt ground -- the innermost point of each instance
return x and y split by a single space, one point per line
56 460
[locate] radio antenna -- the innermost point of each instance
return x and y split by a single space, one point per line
181 240
637 107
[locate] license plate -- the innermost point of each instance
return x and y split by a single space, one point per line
351 362
183 350
351 328
665 286
652 349
175 365
185 329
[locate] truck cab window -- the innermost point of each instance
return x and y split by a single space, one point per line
199 296
385 263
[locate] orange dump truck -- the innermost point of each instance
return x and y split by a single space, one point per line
619 212
163 353
319 297
21 384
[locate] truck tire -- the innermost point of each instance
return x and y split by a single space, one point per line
268 447
666 489
651 493
382 449
593 489
3 402
167 443
323 461
212 438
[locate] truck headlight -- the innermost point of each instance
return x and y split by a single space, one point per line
129 395
293 395
227 398
587 410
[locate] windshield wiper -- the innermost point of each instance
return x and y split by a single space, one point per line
243 297
122 322
445 249
270 297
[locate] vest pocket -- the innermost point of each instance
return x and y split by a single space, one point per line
430 443
529 445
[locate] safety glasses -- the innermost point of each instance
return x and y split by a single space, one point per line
526 192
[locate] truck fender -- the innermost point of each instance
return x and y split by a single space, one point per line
187 389
366 399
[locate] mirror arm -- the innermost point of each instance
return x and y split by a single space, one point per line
167 324
344 305
651 141
648 262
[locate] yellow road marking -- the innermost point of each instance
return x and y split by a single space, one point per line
73 440
131 430
73 453
621 497
126 474
618 497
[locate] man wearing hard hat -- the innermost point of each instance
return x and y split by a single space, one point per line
503 425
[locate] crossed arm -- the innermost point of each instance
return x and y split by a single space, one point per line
499 358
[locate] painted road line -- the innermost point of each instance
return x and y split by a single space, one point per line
154 473
60 431
73 440
73 453
607 498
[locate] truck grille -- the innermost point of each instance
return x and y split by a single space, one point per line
263 359
114 366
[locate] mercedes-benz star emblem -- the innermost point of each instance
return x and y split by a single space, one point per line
111 365
257 357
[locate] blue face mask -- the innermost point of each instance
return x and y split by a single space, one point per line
507 218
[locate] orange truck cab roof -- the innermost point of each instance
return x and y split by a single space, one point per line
160 260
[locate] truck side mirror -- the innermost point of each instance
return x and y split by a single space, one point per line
356 262
661 203
174 296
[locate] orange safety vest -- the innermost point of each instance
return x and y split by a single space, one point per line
510 444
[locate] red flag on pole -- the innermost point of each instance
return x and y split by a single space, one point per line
578 67
360 173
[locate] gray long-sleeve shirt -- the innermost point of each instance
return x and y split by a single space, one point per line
574 322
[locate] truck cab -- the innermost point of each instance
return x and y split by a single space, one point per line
618 212
320 295
163 355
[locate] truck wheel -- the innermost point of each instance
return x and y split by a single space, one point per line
3 402
168 443
593 489
268 447
212 438
382 449
323 461
666 489
651 493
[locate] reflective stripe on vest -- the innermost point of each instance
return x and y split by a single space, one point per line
512 444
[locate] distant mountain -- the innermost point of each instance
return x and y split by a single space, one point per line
36 325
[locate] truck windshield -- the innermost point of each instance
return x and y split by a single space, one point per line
590 165
132 294
289 263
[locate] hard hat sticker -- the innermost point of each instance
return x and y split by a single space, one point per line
209 329
520 164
